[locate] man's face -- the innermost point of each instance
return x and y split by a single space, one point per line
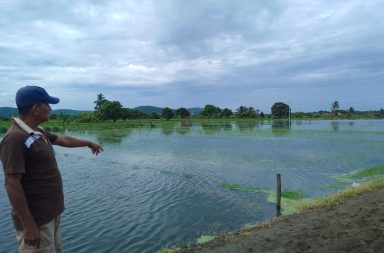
42 111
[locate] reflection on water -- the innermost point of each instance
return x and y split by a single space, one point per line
281 127
111 136
167 129
157 187
212 128
335 125
249 125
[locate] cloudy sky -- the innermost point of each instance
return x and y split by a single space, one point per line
181 53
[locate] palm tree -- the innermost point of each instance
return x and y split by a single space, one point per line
99 101
335 107
242 111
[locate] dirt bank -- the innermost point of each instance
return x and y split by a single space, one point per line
354 226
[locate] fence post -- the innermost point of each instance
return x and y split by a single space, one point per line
278 195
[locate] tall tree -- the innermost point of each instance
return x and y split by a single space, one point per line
168 113
111 110
246 112
99 101
182 113
227 113
335 107
211 111
280 110
242 111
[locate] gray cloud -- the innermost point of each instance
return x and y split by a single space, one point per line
194 52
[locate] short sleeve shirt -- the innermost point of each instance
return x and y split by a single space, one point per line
33 156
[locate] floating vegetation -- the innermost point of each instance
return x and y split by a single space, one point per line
343 178
135 167
205 238
233 187
347 179
290 199
238 187
187 176
340 197
166 172
369 172
294 195
258 190
166 250
339 185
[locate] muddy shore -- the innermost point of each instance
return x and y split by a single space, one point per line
357 225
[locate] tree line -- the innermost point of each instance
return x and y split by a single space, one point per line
113 110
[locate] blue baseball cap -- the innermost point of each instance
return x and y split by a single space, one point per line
30 95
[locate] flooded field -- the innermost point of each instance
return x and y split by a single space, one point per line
158 187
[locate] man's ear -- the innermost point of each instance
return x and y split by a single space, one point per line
35 110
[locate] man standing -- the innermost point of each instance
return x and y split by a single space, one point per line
32 178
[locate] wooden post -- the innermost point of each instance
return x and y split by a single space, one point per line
278 195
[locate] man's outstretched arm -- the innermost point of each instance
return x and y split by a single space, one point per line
71 142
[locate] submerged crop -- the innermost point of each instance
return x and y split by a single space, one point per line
347 179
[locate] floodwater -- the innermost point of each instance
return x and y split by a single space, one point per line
155 187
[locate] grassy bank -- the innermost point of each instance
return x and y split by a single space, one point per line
320 204
340 197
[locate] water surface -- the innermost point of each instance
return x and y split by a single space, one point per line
158 187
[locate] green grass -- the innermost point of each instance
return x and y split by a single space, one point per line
369 172
334 200
205 238
165 250
346 179
290 200
294 195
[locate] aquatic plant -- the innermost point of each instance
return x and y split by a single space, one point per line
135 167
166 172
347 179
187 176
294 195
334 200
290 200
205 238
369 172
233 187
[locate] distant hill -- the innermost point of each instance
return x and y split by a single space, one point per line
159 110
67 111
195 110
6 112
149 109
